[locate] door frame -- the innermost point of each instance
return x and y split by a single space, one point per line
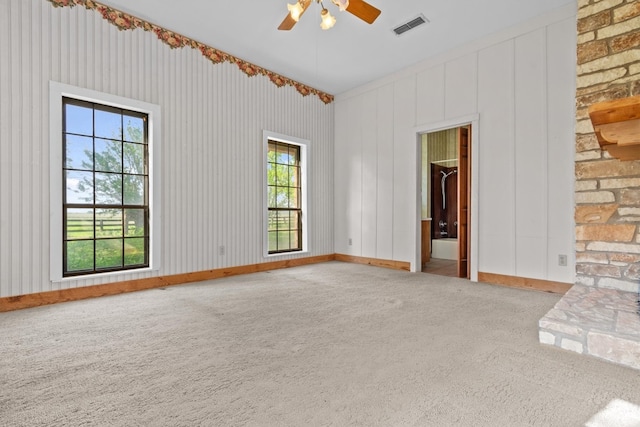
472 120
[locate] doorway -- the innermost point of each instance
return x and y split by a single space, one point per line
446 194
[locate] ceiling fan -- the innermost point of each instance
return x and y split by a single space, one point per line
359 8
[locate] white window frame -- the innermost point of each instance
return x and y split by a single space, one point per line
56 92
304 145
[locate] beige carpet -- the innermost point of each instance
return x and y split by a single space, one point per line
325 345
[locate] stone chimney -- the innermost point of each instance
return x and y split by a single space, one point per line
607 190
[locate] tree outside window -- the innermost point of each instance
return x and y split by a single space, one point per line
106 203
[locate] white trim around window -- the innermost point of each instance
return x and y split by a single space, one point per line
56 92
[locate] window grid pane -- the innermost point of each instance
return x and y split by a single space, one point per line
284 195
106 194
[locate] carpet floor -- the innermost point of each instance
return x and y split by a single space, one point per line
330 344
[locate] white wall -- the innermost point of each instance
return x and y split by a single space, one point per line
521 85
213 117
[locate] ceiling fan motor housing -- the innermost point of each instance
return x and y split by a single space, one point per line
342 4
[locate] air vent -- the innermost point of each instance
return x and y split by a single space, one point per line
415 22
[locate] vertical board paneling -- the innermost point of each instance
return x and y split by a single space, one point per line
561 38
461 86
26 176
212 122
516 162
430 95
38 158
15 152
385 197
369 174
496 191
341 174
42 16
405 149
353 181
5 154
531 154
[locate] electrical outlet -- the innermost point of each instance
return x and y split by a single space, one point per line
350 241
562 260
221 250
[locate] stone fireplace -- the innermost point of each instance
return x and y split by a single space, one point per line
599 316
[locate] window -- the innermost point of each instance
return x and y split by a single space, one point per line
104 184
106 181
285 196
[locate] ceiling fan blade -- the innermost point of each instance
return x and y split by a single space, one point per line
288 22
363 10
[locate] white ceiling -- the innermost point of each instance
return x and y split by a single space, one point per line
348 55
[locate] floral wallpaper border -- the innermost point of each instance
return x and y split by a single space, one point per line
127 22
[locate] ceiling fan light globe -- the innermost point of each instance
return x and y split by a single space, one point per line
295 10
328 20
342 4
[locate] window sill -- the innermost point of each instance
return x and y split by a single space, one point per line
104 275
286 254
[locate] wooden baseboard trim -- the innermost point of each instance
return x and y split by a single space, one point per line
396 265
525 283
74 294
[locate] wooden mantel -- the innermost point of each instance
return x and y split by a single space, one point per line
617 126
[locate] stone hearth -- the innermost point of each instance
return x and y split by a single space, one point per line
599 322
